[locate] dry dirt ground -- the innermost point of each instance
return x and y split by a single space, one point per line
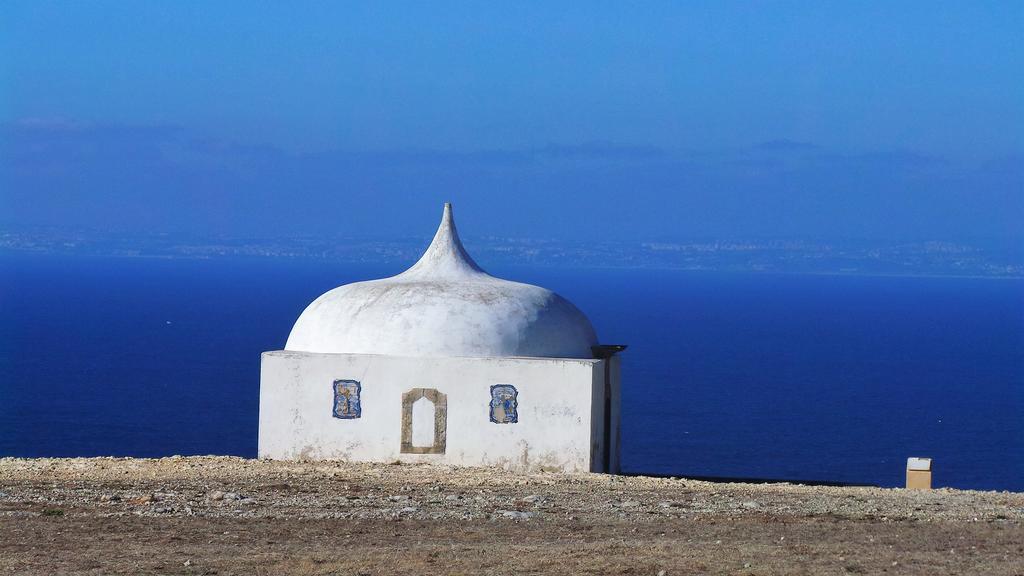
221 515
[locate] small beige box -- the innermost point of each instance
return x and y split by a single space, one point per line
919 473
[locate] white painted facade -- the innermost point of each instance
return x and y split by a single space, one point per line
442 363
559 427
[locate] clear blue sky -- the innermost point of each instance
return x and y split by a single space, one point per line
877 120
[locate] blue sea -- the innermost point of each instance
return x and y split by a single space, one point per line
790 377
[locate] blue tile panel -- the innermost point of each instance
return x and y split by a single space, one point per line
504 401
346 399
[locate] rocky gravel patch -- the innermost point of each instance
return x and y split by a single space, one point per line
225 486
195 502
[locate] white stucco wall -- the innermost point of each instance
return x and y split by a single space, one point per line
560 409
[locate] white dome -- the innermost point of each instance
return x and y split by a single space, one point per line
445 305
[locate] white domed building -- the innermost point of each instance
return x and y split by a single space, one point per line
443 363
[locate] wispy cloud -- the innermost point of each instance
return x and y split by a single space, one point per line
164 177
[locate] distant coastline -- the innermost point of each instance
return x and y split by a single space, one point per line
925 259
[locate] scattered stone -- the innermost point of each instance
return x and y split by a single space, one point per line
144 499
218 496
516 514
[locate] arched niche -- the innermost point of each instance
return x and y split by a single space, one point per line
439 402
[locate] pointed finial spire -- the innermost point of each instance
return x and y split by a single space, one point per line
446 216
446 256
